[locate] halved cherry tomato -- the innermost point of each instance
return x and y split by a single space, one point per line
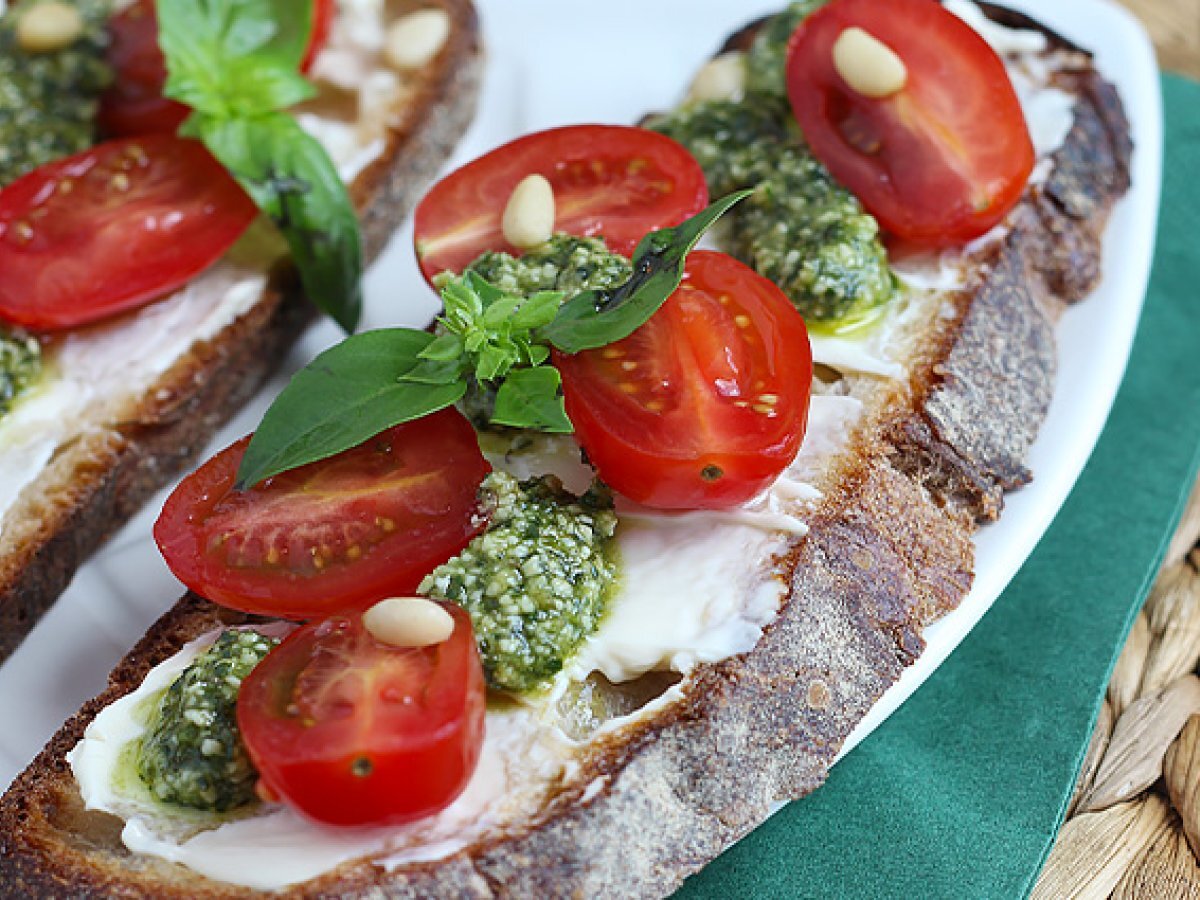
704 405
331 536
135 104
939 162
323 11
113 228
609 180
351 731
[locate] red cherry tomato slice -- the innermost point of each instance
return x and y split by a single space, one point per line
323 13
331 536
113 228
351 731
941 161
609 180
704 405
135 104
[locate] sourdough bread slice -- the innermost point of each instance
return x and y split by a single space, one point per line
888 551
128 446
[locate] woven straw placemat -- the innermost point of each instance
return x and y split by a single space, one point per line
1133 824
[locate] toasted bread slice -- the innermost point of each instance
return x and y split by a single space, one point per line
653 795
130 443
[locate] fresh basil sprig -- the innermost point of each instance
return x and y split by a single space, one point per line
236 63
372 381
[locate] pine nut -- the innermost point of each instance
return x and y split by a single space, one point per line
48 26
868 65
414 40
408 622
722 78
529 216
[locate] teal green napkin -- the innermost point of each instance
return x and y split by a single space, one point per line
961 792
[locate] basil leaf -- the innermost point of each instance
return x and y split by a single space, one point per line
596 318
529 398
443 348
345 396
235 57
538 310
435 371
290 177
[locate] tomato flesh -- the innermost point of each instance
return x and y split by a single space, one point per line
613 181
331 536
114 228
939 162
134 104
704 405
351 731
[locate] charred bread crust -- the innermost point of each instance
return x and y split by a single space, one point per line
95 484
889 551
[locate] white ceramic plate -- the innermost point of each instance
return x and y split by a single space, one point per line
553 63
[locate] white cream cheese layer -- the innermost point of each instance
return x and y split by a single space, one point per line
274 846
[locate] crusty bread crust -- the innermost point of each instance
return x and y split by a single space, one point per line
92 486
889 551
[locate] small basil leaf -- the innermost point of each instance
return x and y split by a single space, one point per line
486 291
538 310
462 305
500 312
493 363
294 182
345 396
444 347
596 318
529 398
434 371
537 354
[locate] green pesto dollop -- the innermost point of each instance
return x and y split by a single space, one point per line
767 56
192 754
564 263
48 101
811 236
20 366
536 582
800 228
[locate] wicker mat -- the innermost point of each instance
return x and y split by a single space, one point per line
1133 824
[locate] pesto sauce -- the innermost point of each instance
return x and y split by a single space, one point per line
564 263
767 56
800 228
20 366
48 101
192 754
536 582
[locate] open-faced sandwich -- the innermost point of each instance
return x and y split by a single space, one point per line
560 596
149 281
